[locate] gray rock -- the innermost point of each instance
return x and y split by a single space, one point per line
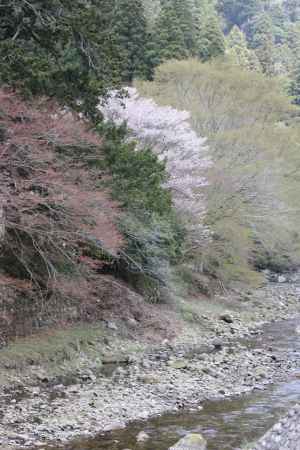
42 377
226 318
191 442
149 379
282 279
179 364
132 322
112 326
142 437
218 344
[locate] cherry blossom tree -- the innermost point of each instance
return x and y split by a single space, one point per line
167 131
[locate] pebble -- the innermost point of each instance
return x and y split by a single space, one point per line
150 386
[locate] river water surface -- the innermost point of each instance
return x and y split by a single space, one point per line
227 424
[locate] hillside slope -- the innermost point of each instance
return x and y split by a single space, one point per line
61 237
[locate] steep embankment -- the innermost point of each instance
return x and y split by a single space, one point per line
61 236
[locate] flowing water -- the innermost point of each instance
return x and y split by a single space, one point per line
226 424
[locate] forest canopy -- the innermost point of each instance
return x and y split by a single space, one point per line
229 67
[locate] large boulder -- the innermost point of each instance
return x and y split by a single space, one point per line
191 442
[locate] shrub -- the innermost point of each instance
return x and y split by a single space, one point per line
154 237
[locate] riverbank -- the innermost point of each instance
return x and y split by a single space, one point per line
218 355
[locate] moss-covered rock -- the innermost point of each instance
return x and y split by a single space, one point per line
191 442
179 364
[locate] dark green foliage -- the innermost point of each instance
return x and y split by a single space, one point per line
153 236
170 41
188 28
262 40
129 29
184 13
279 21
79 50
210 40
238 12
271 28
138 175
152 57
59 48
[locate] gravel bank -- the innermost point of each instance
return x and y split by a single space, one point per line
181 374
285 435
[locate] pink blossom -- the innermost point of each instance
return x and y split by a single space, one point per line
168 132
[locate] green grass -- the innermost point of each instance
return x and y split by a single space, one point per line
56 348
248 446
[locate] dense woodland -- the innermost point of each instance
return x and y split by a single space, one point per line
214 203
94 45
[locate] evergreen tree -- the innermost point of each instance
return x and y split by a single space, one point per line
188 28
237 38
184 14
130 32
152 9
210 38
238 51
59 48
238 12
262 41
152 57
170 40
280 22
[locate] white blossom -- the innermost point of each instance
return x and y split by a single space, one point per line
168 133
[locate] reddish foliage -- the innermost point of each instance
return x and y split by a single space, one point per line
55 194
31 169
55 197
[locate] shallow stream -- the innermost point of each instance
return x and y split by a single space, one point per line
227 424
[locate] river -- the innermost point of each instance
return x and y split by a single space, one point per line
227 424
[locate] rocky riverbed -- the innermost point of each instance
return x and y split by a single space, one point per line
214 362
